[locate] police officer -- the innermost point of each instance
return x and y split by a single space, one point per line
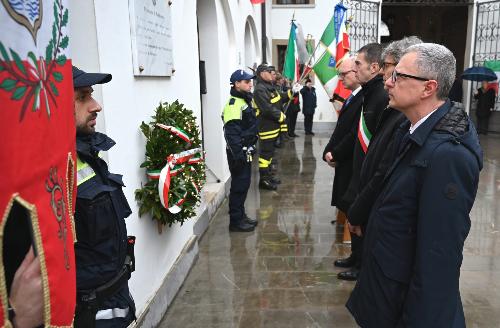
104 254
269 103
240 132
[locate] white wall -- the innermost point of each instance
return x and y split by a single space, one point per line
313 19
100 41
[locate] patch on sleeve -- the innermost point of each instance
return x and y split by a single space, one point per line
451 191
231 101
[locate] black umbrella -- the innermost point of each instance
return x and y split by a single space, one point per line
479 73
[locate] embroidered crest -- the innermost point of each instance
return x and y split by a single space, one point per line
28 13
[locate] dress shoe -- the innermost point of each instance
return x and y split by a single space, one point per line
275 180
345 263
351 275
243 226
267 184
251 221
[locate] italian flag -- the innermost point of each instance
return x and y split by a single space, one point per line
291 68
335 42
327 73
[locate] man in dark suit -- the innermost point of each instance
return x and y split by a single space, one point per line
420 220
339 150
368 62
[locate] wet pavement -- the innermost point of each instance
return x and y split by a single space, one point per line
282 275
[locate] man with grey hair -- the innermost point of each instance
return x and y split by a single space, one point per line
420 220
380 154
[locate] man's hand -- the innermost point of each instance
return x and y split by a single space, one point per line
296 88
26 294
329 159
355 230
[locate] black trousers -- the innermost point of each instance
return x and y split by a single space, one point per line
308 122
357 249
482 124
240 182
291 118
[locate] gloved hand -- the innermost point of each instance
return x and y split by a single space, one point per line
296 87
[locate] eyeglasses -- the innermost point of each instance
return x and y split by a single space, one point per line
395 75
343 74
387 64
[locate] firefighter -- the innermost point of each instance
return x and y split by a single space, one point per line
269 103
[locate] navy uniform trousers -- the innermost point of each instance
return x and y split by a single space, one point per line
240 182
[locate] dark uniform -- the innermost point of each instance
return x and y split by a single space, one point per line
101 249
103 267
269 104
240 132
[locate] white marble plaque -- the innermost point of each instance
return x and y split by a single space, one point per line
151 34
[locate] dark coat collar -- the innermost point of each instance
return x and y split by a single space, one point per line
91 145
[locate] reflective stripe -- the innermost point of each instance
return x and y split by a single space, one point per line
111 314
282 118
263 163
289 93
270 136
275 99
268 132
84 172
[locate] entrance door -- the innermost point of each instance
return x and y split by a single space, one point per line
487 49
364 27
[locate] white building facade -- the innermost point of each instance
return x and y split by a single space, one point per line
225 35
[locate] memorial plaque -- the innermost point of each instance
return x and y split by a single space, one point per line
151 34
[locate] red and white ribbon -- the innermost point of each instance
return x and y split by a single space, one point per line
175 131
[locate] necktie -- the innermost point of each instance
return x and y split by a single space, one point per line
348 100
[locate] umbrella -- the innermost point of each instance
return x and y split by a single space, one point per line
479 73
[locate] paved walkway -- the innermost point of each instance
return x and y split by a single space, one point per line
282 275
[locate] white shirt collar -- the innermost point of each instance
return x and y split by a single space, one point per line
355 92
413 127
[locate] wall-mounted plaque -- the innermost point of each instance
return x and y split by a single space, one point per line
151 34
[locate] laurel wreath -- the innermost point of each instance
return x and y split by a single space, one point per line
28 82
160 145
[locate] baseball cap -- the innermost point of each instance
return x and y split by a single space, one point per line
265 68
240 75
84 79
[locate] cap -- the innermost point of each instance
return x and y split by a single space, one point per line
265 68
84 79
240 75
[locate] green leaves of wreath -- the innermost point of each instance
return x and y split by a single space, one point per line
37 79
159 145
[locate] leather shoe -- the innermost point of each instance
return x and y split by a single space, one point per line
345 263
243 226
275 180
267 184
351 275
251 221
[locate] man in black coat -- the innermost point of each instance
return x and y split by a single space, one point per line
419 222
308 93
380 155
485 102
339 150
368 63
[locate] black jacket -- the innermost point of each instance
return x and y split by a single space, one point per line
341 145
242 131
418 225
485 102
269 102
374 102
379 158
101 233
308 100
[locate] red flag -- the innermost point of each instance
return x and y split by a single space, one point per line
256 2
